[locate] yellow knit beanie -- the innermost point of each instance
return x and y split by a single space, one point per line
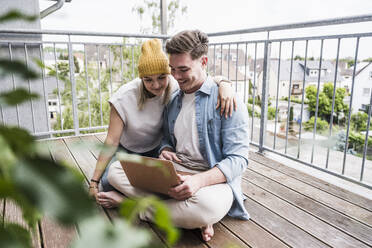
152 59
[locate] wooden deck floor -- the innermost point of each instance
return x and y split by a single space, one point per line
288 208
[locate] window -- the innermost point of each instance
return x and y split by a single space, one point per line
370 75
295 86
313 73
366 91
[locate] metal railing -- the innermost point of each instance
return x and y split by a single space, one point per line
264 71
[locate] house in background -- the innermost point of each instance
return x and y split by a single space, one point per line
362 87
299 70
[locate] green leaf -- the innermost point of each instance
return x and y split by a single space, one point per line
130 208
54 189
19 140
8 67
17 96
98 232
16 15
8 158
14 235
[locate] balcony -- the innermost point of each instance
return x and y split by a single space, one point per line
289 207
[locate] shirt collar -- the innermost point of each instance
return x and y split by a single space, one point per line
206 87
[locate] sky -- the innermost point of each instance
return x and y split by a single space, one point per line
210 15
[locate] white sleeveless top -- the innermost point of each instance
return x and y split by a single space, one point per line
142 128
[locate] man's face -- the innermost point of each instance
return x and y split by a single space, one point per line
190 74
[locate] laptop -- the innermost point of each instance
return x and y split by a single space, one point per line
147 173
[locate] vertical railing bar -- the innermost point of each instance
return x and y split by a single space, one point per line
121 64
333 99
110 70
350 104
87 82
277 94
254 87
99 82
236 68
132 62
228 63
317 100
57 80
302 100
221 59
289 99
366 139
265 90
29 89
14 87
44 88
214 60
245 72
73 87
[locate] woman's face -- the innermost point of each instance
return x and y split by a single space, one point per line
156 84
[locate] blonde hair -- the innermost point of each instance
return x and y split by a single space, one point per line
144 94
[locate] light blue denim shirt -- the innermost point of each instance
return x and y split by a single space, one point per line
223 142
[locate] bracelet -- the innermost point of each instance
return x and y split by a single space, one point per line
93 187
94 180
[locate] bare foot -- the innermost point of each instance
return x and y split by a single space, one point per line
111 199
207 232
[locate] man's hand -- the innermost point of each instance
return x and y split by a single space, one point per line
189 186
226 99
168 154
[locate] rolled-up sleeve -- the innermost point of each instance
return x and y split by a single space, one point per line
235 144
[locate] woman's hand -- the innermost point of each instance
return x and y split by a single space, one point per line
93 190
168 154
226 99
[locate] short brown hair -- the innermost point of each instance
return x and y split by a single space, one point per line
194 42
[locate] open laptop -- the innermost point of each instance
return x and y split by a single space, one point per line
147 173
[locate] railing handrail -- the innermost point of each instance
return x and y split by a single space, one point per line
296 25
80 33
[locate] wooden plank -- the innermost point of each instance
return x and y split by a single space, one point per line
101 137
305 221
342 222
13 214
280 227
338 204
223 237
56 235
92 143
53 233
251 233
316 182
60 152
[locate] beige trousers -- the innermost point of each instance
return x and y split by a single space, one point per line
207 206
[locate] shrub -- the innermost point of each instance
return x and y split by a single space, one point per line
321 125
270 113
256 113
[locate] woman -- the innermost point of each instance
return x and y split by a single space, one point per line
136 115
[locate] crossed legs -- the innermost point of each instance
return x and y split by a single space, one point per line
208 206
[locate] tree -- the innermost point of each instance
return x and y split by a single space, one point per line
359 121
152 8
325 101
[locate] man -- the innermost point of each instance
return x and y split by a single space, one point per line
201 142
